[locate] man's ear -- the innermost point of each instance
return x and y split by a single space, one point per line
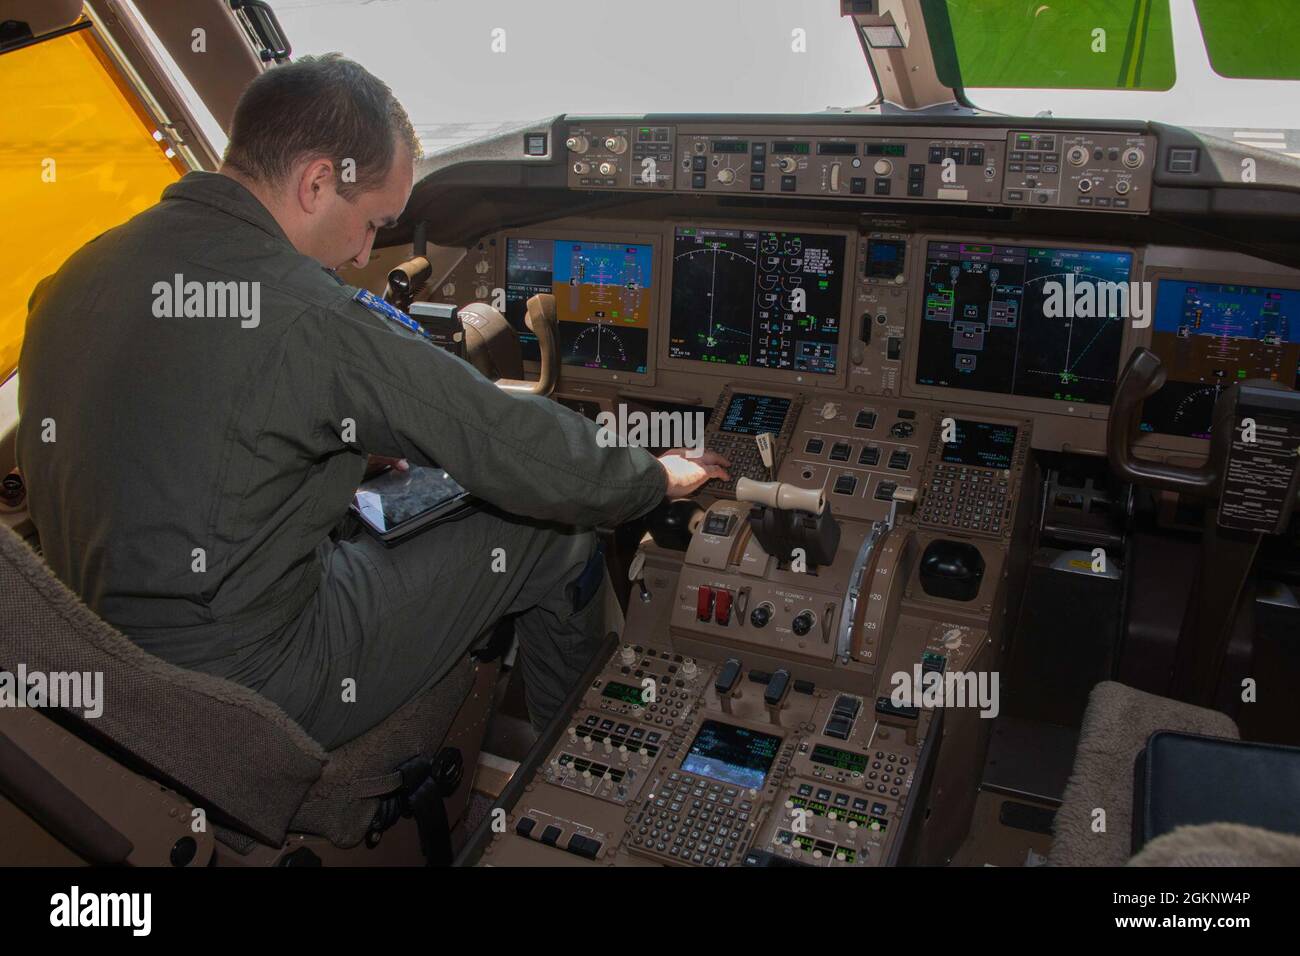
315 185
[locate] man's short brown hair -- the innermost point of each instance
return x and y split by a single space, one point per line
319 106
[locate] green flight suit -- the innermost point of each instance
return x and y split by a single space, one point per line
188 473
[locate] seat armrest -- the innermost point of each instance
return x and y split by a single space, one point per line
1187 780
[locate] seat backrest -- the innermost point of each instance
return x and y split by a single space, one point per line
231 751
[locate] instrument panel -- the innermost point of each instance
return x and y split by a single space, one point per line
899 368
675 307
683 307
1089 170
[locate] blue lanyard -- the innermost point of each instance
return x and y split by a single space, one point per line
389 311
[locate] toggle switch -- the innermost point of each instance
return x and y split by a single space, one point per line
722 606
704 603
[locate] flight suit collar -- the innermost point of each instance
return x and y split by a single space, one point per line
222 192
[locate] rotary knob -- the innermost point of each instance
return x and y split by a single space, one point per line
616 144
761 615
689 669
627 655
607 169
1133 157
830 410
577 144
582 168
802 623
481 267
883 167
1077 155
726 176
901 429
787 164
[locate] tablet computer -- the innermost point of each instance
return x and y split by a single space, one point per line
394 504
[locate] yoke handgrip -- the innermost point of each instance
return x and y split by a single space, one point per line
1142 377
541 317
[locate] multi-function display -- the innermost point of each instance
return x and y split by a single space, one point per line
758 298
603 299
1211 334
1024 320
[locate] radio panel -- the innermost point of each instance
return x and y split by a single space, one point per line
1098 171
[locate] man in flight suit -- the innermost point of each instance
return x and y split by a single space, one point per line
189 463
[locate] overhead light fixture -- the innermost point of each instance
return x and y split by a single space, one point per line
882 38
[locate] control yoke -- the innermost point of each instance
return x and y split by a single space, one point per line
1143 376
1251 482
541 319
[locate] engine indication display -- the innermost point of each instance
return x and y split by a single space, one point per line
1209 335
757 298
1024 320
602 295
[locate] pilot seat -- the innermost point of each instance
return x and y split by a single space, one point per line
187 769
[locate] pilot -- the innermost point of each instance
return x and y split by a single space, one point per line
200 392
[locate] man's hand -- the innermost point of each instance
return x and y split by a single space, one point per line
688 475
377 463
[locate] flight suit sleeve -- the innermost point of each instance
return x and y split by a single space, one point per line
525 454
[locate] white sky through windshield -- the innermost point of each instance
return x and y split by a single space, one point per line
566 56
700 56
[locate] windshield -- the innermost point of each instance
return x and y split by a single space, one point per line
1225 65
466 69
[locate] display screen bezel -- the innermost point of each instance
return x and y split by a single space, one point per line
1198 448
749 377
739 725
1004 401
582 233
944 451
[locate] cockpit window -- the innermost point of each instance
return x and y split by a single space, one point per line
466 69
1251 39
79 157
1120 44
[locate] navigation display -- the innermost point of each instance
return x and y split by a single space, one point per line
735 755
1024 320
757 297
1209 335
982 444
602 297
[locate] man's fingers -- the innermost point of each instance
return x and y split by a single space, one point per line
706 456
